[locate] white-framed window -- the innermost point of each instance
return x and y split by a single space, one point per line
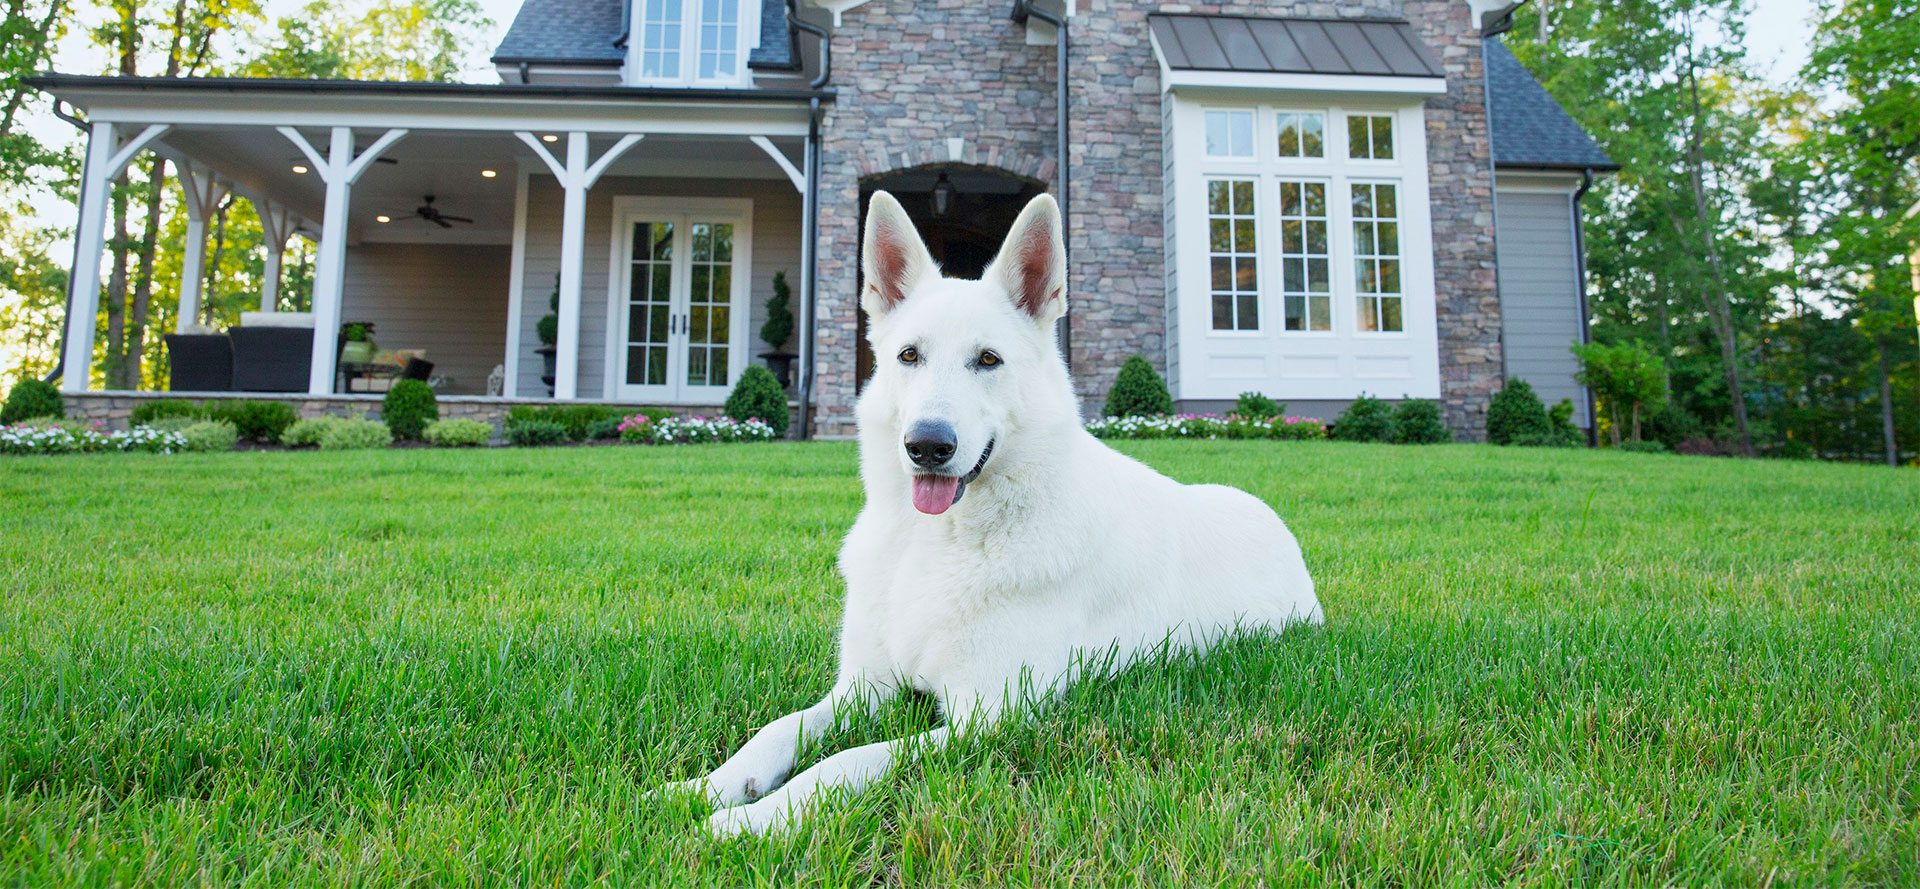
1324 287
691 42
1306 279
1230 134
1370 137
1376 257
1301 134
1233 253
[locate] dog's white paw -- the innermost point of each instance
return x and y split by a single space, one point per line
756 818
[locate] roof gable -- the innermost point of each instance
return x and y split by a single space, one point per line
1530 129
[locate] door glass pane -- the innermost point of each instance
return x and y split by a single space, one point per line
649 287
710 319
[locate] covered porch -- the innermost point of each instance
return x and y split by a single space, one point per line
452 218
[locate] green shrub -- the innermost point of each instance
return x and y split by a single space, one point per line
1544 440
1629 379
171 424
535 433
306 433
347 435
408 408
1516 413
579 420
759 396
1560 416
1366 419
146 412
1642 447
1671 425
458 433
1417 421
1138 391
605 428
210 435
261 421
1254 404
779 326
32 398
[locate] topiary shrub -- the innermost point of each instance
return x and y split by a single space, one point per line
146 412
759 396
261 421
32 398
1366 419
1417 421
779 326
1516 413
1138 391
408 408
1254 404
210 435
535 433
348 435
458 433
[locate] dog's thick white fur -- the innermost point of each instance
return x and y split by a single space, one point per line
1017 544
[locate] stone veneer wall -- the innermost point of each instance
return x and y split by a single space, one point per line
115 409
910 76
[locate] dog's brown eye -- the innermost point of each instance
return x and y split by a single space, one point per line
909 355
988 359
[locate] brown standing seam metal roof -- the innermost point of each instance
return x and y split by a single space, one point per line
1371 46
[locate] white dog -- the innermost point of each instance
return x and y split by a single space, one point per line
1000 544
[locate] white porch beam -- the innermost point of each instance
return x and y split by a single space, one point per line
576 176
277 222
204 192
786 166
106 155
339 170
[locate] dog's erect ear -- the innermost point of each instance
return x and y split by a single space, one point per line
1032 264
892 259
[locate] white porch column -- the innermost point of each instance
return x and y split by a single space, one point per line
106 155
339 169
576 176
204 191
276 223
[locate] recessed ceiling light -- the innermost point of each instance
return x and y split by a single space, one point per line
549 138
300 168
488 174
383 218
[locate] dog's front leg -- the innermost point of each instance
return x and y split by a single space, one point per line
768 757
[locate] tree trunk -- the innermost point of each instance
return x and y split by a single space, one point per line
143 281
117 285
1891 445
1636 421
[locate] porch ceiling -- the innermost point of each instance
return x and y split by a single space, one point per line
447 165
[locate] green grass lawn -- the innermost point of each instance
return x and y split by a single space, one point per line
468 668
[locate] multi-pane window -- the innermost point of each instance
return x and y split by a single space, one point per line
1232 254
709 322
1230 134
1301 134
719 39
1370 137
650 300
1376 256
1306 282
660 24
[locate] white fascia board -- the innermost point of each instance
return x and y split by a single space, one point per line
470 113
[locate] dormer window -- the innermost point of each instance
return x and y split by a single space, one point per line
691 42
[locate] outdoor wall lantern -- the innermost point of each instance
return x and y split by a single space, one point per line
942 196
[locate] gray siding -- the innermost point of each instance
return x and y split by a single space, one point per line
776 248
1539 296
448 299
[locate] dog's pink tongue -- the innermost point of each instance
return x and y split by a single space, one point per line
932 494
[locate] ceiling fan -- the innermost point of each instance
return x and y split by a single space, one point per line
430 213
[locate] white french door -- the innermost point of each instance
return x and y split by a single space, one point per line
681 284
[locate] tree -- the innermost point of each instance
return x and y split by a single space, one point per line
1629 380
385 40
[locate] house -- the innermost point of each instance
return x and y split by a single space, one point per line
1311 200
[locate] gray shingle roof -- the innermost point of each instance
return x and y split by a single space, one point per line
1293 45
587 31
1530 129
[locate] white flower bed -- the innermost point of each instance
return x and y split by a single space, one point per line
65 439
1208 426
639 429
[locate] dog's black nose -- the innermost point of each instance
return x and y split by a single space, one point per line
930 443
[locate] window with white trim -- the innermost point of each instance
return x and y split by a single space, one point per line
1233 254
1230 134
1306 285
690 42
1301 134
1376 257
1370 137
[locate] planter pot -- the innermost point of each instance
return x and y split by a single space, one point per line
781 363
358 351
546 354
